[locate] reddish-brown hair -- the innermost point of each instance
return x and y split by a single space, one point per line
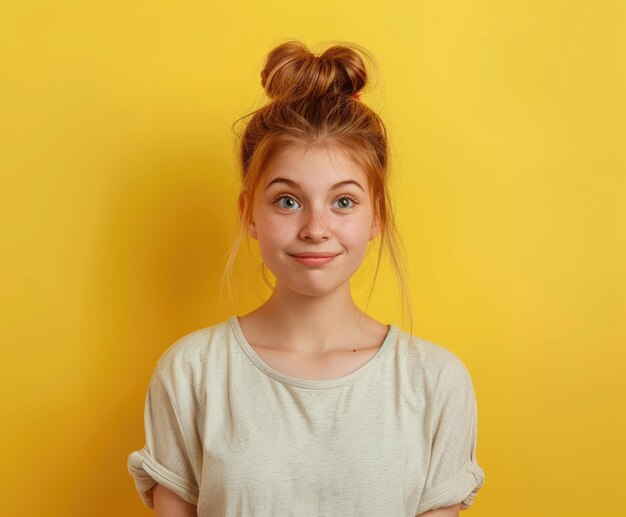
315 102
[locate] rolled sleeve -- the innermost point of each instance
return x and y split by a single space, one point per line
454 475
167 457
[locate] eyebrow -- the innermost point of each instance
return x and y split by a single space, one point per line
297 185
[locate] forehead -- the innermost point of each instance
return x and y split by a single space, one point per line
313 166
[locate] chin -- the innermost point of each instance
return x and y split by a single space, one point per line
311 289
315 290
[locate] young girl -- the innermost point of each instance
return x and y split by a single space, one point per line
307 406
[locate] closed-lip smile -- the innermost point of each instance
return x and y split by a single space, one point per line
314 254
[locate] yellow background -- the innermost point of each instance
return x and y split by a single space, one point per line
118 206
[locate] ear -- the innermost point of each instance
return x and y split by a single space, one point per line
252 230
242 203
374 230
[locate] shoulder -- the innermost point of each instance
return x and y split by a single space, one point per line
437 383
185 358
431 362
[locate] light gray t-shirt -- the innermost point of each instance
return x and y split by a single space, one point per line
228 433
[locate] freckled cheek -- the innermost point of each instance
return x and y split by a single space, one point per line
274 234
355 233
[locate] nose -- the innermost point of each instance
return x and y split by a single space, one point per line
315 226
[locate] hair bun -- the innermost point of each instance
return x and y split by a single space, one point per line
292 72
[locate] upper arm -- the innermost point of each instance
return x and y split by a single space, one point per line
172 455
449 511
170 504
453 473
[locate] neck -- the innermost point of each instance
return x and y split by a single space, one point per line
312 324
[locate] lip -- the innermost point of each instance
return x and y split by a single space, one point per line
314 260
314 254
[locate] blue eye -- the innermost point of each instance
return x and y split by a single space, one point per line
350 199
291 200
283 196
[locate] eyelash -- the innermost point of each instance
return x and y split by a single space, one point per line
351 198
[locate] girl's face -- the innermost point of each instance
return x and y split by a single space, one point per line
313 203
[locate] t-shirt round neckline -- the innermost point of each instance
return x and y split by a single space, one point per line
310 383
